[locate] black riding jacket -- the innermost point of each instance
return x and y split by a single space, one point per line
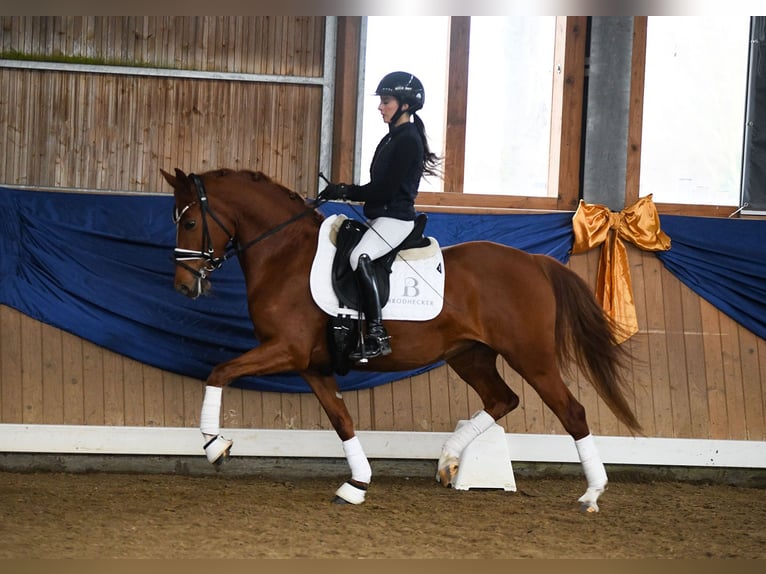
395 173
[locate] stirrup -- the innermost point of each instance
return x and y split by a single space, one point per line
384 345
373 347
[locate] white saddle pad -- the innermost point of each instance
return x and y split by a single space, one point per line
417 279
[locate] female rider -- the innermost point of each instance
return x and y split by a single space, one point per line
400 160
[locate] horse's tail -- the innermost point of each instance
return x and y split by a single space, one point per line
585 335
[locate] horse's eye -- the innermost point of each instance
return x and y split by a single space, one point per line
190 224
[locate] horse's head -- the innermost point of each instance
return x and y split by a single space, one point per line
202 236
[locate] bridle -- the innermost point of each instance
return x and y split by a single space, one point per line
207 251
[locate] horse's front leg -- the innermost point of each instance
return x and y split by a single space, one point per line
325 388
267 358
216 447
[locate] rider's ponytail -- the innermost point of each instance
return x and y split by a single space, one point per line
431 161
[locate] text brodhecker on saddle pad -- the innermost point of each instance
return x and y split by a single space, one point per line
417 280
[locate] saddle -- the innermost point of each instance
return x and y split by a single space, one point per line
349 235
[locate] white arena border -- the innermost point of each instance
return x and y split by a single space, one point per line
175 441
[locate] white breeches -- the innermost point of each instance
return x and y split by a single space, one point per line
383 235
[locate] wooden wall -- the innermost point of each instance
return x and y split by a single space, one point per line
279 45
697 374
71 127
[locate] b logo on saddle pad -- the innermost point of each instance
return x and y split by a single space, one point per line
416 288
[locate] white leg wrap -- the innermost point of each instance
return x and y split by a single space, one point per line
209 419
462 437
594 470
357 460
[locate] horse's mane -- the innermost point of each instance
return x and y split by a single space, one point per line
258 176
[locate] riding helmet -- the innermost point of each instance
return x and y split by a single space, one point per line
405 87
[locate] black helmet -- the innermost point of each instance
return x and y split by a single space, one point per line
404 87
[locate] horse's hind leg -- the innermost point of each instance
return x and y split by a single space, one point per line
555 394
477 366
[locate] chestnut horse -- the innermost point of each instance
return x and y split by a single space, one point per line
530 309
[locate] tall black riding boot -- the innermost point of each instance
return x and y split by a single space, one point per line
376 342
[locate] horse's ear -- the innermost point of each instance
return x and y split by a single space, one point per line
169 178
181 176
179 180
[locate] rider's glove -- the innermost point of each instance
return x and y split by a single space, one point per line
334 191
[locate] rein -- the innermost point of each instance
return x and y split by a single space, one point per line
207 251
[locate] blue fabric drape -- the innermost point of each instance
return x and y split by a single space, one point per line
100 266
723 261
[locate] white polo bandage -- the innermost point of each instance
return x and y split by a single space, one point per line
357 460
209 419
462 437
594 470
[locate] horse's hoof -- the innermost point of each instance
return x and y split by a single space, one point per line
217 449
447 475
447 469
589 507
588 500
349 494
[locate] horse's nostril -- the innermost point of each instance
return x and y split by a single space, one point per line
182 289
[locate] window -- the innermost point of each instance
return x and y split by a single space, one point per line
508 123
412 44
694 109
507 107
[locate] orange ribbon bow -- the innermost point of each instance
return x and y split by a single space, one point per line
639 224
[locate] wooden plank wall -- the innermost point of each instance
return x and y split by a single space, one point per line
102 131
108 132
697 374
280 45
